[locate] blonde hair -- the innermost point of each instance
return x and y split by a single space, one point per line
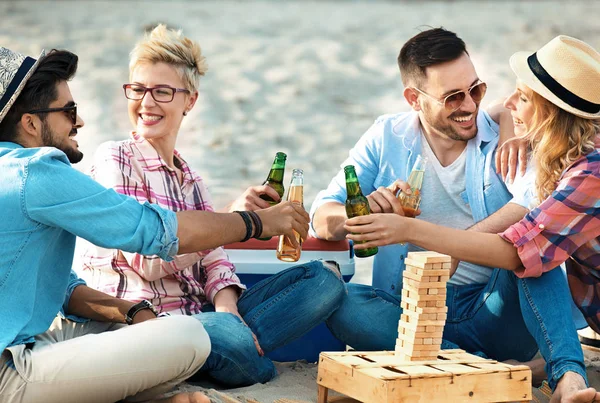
171 47
558 138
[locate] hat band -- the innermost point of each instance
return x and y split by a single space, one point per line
27 64
557 89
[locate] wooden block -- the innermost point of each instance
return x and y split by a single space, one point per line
408 333
406 327
441 316
444 278
432 291
411 295
434 328
446 265
417 264
440 303
419 309
415 289
429 272
427 340
428 257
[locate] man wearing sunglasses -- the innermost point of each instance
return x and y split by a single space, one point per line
61 341
489 310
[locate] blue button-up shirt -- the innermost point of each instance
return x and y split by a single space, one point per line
388 150
45 204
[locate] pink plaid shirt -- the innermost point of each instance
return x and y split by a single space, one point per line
566 228
182 286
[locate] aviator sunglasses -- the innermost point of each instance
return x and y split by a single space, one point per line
453 101
71 112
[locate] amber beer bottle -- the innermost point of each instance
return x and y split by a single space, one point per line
275 178
410 203
286 251
356 205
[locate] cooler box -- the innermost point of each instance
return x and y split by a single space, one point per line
255 260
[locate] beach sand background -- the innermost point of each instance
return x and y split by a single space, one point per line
307 78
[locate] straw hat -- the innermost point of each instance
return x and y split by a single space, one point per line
15 70
565 71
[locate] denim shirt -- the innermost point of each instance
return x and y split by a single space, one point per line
45 204
388 150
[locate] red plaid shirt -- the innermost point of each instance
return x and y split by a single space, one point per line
566 228
182 286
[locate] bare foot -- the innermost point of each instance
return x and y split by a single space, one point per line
193 397
571 389
538 370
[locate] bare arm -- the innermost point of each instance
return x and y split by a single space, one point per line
201 230
501 219
93 304
476 247
485 249
328 221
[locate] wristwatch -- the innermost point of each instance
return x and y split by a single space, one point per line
143 304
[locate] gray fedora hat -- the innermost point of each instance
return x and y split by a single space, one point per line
15 70
565 71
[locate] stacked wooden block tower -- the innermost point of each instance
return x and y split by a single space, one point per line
418 371
424 306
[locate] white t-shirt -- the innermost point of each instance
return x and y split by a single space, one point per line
442 203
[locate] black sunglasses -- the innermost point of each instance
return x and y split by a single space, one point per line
70 110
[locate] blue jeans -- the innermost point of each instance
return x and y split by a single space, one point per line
278 309
507 318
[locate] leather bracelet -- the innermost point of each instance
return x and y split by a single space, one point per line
246 217
258 227
140 306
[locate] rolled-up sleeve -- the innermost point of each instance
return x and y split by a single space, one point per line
74 282
561 224
365 158
80 205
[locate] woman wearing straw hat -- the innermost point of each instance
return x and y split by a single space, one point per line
556 107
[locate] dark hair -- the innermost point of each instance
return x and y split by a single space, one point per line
40 90
428 48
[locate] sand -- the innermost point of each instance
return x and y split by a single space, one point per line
303 77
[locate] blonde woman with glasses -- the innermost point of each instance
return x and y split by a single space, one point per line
165 69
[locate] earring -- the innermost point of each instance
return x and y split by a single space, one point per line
184 113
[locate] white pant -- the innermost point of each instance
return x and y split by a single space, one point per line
104 362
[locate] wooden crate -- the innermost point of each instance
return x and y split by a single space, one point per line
455 376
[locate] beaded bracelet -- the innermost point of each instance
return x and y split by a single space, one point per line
258 227
246 217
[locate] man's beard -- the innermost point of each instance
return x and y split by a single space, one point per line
49 140
443 126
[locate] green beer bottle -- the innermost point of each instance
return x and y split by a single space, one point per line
356 205
275 178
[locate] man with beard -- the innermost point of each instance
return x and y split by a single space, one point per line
490 311
60 340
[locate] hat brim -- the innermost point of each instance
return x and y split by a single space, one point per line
518 64
19 89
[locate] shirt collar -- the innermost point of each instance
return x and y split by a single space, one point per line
155 161
10 145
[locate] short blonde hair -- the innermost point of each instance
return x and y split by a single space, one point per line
171 47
